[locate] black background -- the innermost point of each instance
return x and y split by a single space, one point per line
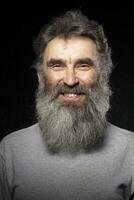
20 25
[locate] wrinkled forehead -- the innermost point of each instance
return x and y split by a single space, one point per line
70 49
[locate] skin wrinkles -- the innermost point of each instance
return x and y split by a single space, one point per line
87 61
73 66
71 102
70 62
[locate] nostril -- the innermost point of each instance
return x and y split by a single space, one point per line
71 85
71 80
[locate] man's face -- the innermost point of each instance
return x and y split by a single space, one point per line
71 103
70 62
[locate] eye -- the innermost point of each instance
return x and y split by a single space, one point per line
84 67
57 67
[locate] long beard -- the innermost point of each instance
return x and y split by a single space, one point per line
72 128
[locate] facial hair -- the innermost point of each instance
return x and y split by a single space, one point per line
72 128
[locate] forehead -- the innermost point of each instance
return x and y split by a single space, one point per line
72 48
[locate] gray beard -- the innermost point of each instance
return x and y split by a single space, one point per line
70 128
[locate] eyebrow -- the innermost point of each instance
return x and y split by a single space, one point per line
54 61
88 61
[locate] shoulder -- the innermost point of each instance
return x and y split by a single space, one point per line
120 132
20 137
22 132
121 137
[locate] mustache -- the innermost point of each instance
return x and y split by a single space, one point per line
65 89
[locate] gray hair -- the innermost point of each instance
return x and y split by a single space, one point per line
74 23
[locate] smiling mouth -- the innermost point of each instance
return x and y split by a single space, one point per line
71 97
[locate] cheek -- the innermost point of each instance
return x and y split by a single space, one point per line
53 78
89 78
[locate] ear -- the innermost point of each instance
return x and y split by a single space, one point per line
39 75
40 79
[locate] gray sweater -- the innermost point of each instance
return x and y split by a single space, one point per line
29 172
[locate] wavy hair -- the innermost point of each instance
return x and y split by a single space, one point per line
74 23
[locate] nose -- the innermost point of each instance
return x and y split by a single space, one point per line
70 78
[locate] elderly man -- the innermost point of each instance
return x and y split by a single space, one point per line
72 153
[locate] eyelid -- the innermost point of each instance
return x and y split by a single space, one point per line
55 65
83 65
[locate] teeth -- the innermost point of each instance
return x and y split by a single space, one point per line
70 95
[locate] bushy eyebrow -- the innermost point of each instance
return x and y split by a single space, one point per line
88 61
54 61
